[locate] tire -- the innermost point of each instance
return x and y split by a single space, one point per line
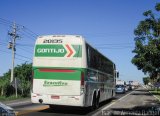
124 91
112 94
95 102
55 107
51 106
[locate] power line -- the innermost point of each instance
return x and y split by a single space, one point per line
25 50
30 32
19 47
23 56
5 22
10 23
113 44
122 47
25 45
21 59
24 30
4 51
16 54
28 35
4 44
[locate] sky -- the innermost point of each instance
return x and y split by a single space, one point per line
108 25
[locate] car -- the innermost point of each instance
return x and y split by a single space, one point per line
6 110
130 87
126 88
120 89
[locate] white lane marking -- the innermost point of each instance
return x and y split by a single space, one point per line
144 87
155 96
97 113
116 101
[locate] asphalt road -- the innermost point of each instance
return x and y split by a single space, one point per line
132 103
137 103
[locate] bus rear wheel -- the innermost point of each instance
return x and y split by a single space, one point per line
95 102
51 106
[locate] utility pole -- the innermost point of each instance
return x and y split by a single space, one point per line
12 45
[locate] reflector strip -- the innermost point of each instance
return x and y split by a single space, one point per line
55 70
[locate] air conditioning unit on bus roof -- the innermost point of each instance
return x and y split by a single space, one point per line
60 36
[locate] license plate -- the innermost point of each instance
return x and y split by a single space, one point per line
55 97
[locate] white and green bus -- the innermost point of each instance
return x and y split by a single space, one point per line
68 71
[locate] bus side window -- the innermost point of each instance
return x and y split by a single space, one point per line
88 55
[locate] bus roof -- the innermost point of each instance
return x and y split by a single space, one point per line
78 36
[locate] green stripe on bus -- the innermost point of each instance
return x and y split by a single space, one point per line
50 51
78 49
58 50
76 75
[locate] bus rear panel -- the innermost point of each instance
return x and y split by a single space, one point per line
58 71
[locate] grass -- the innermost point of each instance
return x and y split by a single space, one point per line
13 97
156 92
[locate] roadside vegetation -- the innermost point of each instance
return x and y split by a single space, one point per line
23 74
147 46
156 92
147 49
152 88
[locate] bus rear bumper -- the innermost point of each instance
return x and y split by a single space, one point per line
58 100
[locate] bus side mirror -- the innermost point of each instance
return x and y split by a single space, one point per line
117 74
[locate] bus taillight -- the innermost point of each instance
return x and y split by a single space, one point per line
82 78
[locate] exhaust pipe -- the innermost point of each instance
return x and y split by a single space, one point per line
40 101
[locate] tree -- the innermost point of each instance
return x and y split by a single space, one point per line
4 83
146 80
147 44
23 73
